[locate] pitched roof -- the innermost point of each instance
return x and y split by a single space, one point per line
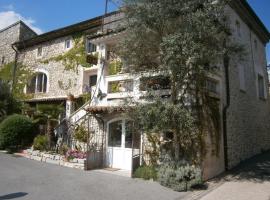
65 31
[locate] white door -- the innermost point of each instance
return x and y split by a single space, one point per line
119 151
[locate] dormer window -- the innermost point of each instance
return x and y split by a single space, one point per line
91 47
68 44
39 52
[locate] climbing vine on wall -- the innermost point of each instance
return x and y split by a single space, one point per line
22 76
75 56
64 86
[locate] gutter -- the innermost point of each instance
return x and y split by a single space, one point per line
15 66
226 61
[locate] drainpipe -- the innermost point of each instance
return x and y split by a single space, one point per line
15 66
226 61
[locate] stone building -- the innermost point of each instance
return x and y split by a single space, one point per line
242 90
16 32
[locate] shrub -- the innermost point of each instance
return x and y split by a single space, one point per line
81 134
71 154
41 142
146 172
179 176
63 149
16 131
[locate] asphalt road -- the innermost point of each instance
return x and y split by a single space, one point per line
25 179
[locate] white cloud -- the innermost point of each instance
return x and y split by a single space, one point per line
9 17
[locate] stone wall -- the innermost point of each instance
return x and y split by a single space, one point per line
248 115
60 82
8 36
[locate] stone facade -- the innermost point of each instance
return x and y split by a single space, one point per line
248 115
8 36
60 82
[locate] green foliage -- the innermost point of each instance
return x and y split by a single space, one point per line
146 172
8 104
48 114
183 40
115 67
161 116
62 86
114 87
63 149
81 134
16 131
180 176
22 76
75 56
41 143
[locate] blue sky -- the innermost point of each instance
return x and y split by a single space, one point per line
46 15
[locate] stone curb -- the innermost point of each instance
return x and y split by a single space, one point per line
50 159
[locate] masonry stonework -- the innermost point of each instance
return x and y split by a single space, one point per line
61 82
248 130
8 36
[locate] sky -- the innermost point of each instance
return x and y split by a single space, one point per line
46 15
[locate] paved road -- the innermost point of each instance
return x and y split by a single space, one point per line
249 181
25 179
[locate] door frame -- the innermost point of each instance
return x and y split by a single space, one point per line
123 138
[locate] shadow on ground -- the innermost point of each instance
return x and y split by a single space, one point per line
256 169
13 195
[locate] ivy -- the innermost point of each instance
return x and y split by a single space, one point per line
74 57
62 86
22 76
115 67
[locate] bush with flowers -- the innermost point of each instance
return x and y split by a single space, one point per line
75 154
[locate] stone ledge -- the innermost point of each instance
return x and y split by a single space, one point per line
54 159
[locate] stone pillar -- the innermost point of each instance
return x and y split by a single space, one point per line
70 105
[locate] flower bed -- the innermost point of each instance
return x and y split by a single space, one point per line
73 159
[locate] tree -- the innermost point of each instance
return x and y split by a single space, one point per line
8 104
184 40
48 114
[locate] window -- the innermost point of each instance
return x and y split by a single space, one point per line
261 90
91 47
122 134
68 44
115 134
39 52
3 60
92 80
211 85
256 44
242 81
155 83
238 28
38 84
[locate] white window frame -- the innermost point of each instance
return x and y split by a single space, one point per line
87 47
70 44
36 83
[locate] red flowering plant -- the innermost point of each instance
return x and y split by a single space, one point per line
72 154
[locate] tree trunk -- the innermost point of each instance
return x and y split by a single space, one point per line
49 133
176 147
175 133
